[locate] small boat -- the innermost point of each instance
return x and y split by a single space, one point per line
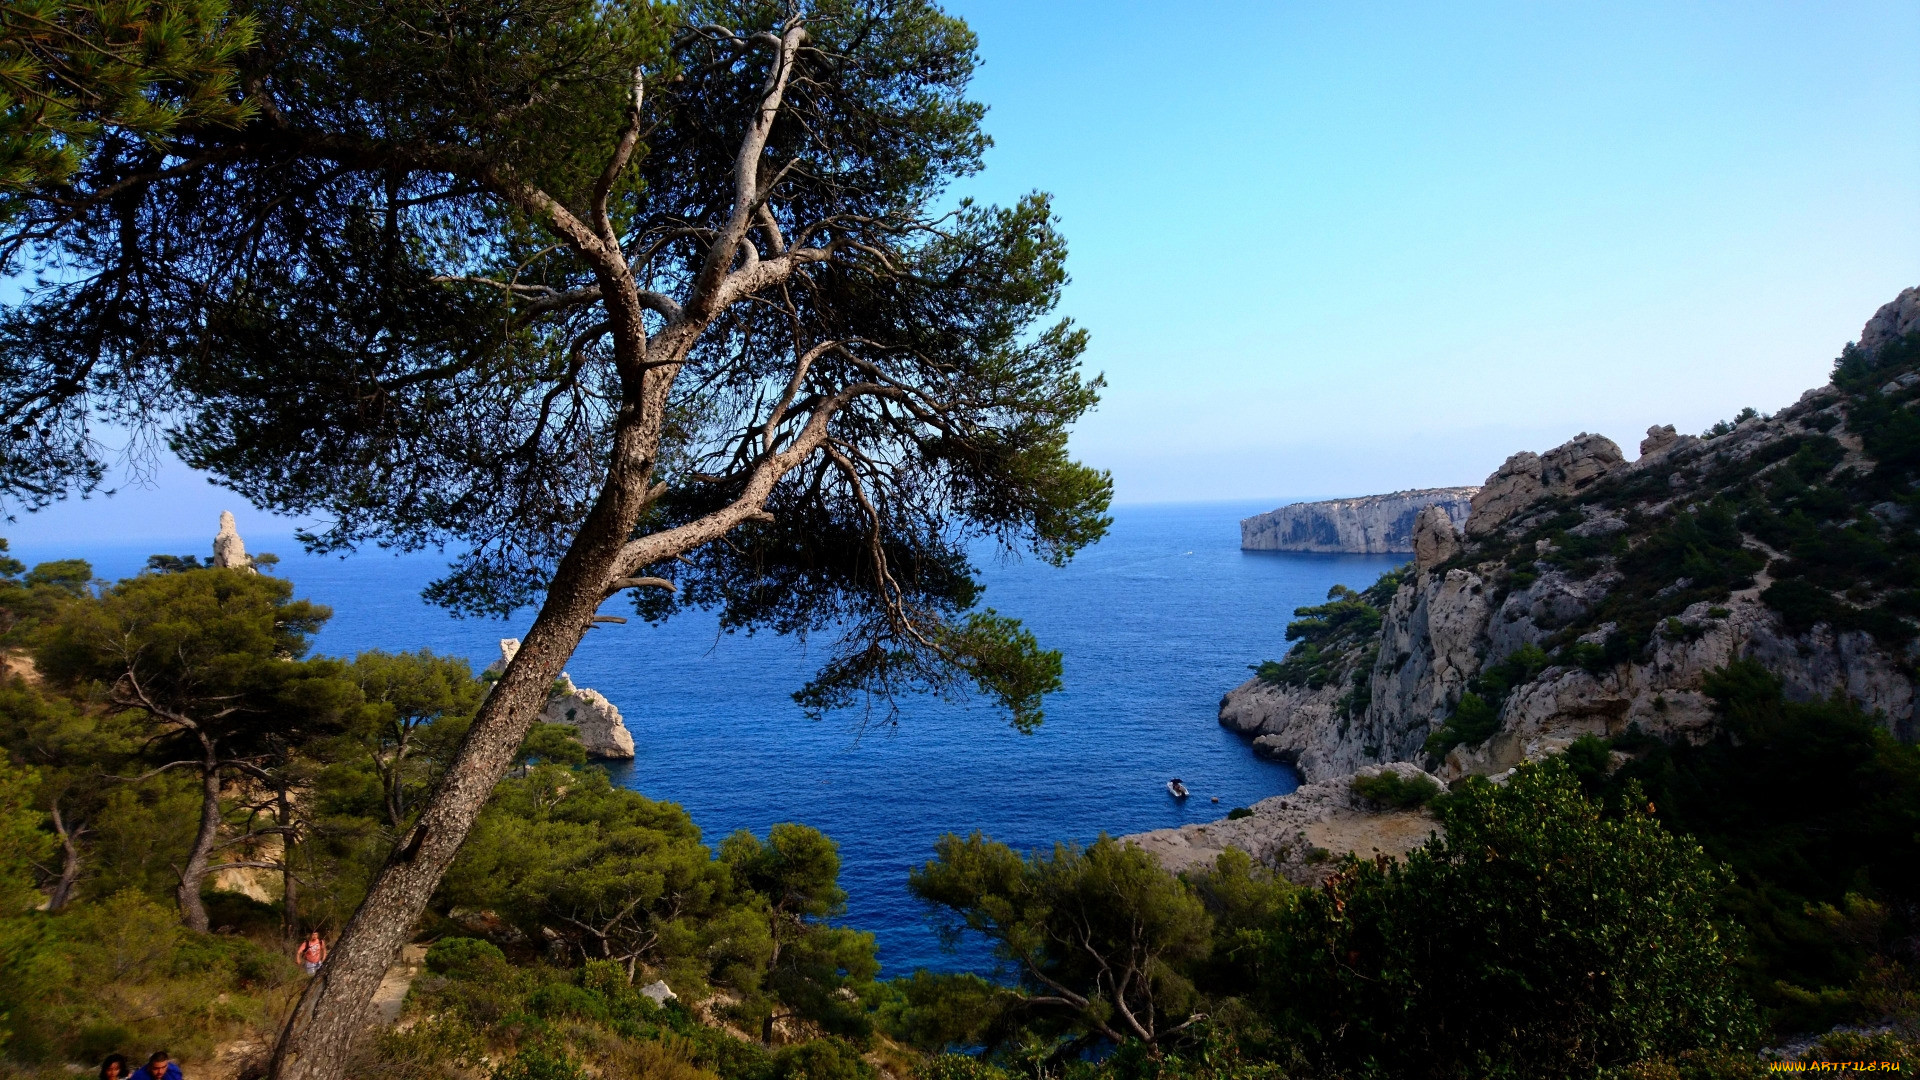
1176 789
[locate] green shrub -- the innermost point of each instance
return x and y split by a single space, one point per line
465 958
1389 788
1881 1046
430 1048
565 1001
1239 812
123 972
957 1067
540 1062
821 1059
1807 802
1332 635
1480 954
1473 722
1477 716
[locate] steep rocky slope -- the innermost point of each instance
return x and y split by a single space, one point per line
1370 525
1586 594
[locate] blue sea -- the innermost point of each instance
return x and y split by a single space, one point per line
1155 623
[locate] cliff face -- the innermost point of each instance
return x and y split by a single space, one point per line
1586 594
1373 525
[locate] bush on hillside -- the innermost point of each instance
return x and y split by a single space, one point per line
123 972
1807 802
1390 789
1536 938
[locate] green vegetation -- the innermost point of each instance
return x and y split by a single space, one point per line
1536 938
1334 639
176 737
1637 909
1541 937
1850 558
1817 811
1476 955
73 70
1104 940
1726 427
1392 790
1477 715
121 972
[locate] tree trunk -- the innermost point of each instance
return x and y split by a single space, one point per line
62 892
336 1005
192 911
289 885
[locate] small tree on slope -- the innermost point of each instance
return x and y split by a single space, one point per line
207 660
612 302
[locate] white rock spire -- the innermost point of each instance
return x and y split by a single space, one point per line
229 551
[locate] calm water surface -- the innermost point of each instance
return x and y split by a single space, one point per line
1155 623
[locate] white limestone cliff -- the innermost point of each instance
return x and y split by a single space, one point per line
602 730
1371 525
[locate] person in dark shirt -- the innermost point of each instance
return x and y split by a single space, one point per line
161 1067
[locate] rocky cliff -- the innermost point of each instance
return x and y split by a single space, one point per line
1584 594
602 730
1372 525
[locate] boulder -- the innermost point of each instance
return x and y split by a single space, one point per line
1513 487
1574 465
658 992
1896 319
1659 437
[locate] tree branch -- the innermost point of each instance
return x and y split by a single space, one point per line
629 136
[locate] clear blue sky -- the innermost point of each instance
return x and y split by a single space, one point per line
1337 248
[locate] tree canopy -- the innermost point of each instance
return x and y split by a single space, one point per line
209 663
75 71
671 300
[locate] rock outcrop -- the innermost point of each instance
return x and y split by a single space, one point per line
1893 321
1561 573
229 551
1371 525
1435 537
1302 835
1526 478
1659 437
601 728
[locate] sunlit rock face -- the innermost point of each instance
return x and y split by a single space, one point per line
601 728
1370 525
1547 604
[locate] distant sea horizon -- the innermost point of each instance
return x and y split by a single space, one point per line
1154 624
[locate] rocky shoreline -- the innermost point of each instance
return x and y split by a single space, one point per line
1301 835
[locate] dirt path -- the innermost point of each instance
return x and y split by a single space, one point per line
392 995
